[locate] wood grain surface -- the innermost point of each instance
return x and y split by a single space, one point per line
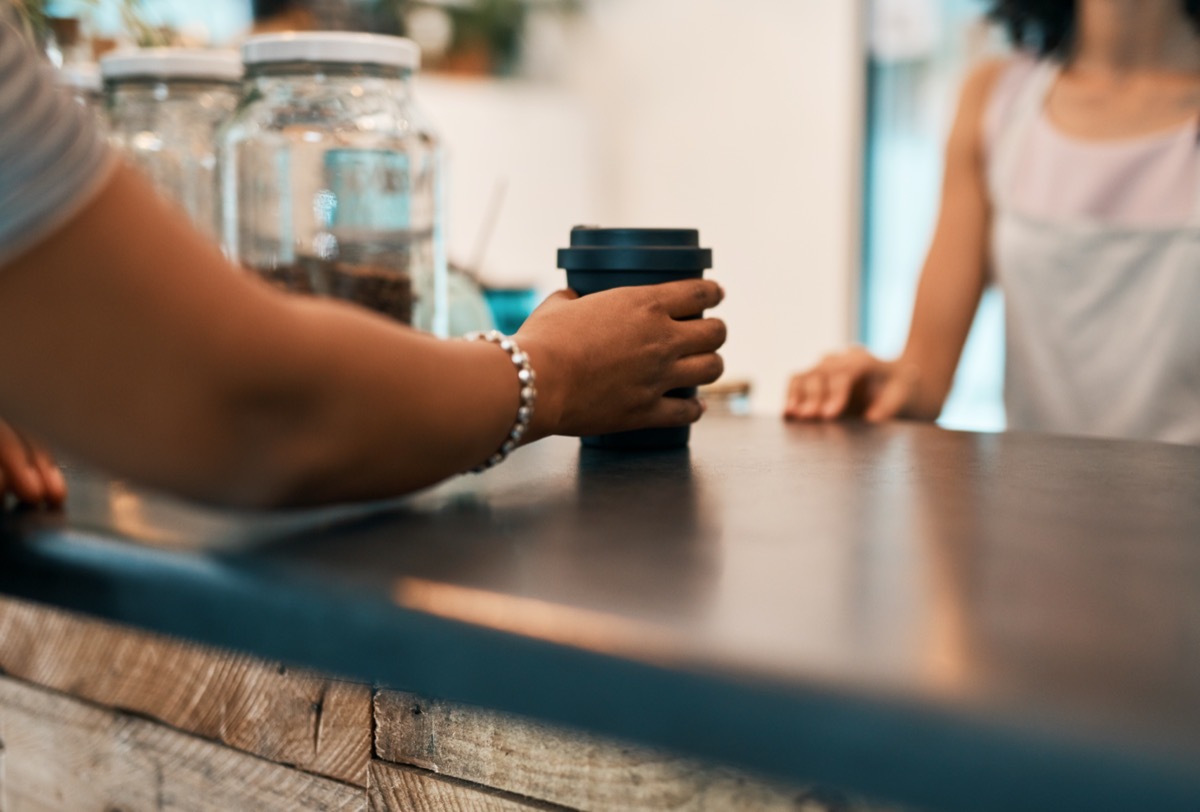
402 789
62 754
560 766
59 754
318 724
449 758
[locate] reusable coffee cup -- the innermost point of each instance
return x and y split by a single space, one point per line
604 258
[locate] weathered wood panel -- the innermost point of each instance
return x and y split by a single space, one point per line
563 767
61 754
405 789
318 724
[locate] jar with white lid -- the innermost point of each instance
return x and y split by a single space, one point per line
165 106
331 177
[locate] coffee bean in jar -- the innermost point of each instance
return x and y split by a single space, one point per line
376 287
292 278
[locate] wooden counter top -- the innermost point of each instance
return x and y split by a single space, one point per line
940 619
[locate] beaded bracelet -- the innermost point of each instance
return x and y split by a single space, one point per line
526 376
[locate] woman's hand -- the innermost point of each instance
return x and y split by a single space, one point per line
853 383
28 472
605 361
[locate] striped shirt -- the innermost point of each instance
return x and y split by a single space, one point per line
52 159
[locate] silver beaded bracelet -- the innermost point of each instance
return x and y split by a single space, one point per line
527 377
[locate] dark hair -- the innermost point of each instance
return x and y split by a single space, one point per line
1047 26
263 9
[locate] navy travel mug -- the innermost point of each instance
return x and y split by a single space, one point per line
604 258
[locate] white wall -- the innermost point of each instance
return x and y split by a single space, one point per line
528 150
742 118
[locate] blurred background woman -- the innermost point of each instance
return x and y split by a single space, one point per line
1072 181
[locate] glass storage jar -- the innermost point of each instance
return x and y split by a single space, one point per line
165 106
331 178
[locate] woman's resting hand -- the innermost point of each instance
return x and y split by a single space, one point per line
853 383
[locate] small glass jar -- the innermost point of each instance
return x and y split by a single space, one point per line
165 106
331 178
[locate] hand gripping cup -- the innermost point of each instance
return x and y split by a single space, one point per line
604 258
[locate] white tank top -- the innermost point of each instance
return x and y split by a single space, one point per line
1096 246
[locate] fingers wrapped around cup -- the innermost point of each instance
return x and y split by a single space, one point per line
673 262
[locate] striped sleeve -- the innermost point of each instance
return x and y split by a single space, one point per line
52 159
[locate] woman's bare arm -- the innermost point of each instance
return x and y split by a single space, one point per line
956 268
854 382
128 339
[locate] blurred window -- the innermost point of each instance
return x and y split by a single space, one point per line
919 53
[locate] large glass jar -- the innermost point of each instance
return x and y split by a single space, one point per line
164 107
331 179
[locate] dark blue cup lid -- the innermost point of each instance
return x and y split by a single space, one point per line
634 249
